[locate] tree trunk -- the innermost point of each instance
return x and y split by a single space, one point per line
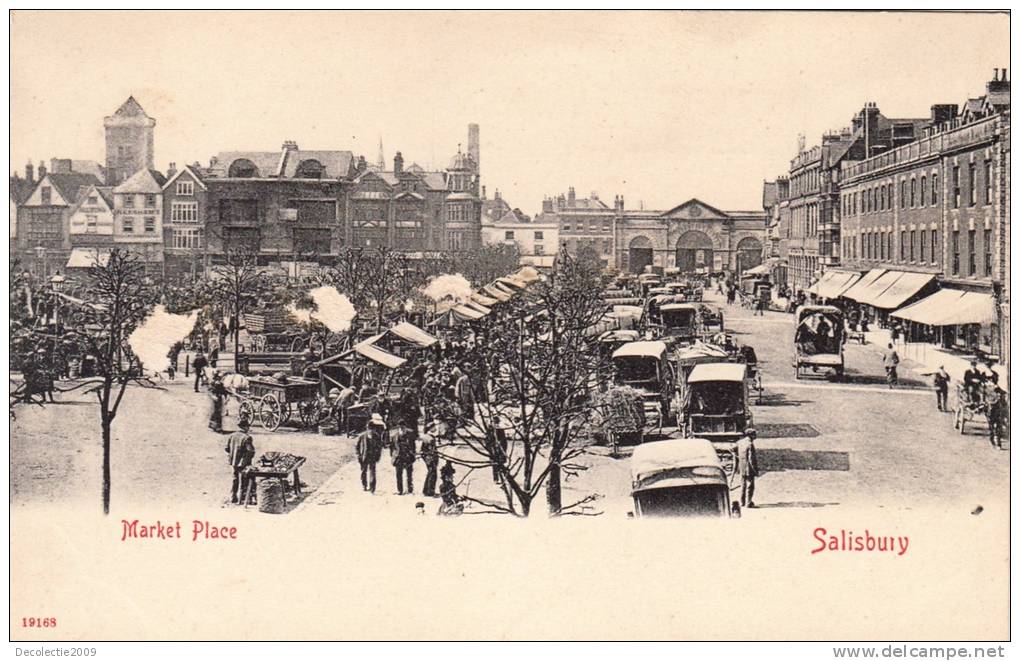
553 494
525 505
106 467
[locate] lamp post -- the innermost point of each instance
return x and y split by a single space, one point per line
56 283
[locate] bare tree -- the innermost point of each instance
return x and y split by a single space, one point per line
236 285
118 300
541 365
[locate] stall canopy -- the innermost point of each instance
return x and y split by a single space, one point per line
873 291
764 268
468 312
932 309
498 293
477 306
411 333
861 286
375 354
83 258
902 289
483 299
833 284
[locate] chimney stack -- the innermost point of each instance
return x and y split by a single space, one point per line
621 203
30 172
172 170
398 163
547 205
496 196
474 148
289 145
362 164
999 83
42 170
571 197
483 192
60 165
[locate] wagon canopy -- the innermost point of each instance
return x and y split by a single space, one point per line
651 349
656 462
717 372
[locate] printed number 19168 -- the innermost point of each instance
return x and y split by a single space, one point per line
38 622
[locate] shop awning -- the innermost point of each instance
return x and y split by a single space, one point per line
84 258
861 286
467 312
901 289
931 309
873 291
483 299
832 284
374 353
411 333
764 268
973 308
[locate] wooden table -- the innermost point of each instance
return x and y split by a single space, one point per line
257 470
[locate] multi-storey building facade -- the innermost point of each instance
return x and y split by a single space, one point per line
583 222
44 220
536 240
185 212
138 217
934 213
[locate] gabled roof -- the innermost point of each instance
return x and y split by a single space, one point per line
695 202
103 192
20 189
68 183
195 174
130 108
435 180
143 181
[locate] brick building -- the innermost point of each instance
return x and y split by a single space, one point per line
185 212
583 221
932 214
537 240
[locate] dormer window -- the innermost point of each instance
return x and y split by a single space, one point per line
309 169
242 168
185 187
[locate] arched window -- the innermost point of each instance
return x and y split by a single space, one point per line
309 169
243 168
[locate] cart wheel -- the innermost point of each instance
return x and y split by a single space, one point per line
246 411
309 412
270 413
288 413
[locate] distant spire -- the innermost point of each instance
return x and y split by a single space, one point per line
382 159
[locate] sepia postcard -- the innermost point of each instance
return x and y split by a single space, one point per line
511 325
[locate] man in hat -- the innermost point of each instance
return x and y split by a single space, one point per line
199 365
747 464
995 409
973 381
240 453
402 455
369 447
941 381
463 393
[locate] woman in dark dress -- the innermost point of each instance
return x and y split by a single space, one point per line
218 392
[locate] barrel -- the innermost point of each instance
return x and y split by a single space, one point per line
270 495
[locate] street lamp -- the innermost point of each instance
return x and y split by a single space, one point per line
56 283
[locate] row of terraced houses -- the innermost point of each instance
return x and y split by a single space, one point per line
294 208
905 219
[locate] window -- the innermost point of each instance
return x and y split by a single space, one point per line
129 225
508 235
881 199
934 249
150 225
607 246
184 212
539 235
971 253
93 200
566 226
913 238
47 195
956 252
987 239
934 188
187 238
185 187
988 181
923 191
956 186
913 193
972 176
903 194
903 245
90 224
150 201
924 244
607 225
539 249
129 201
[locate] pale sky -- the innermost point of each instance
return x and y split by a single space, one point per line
657 106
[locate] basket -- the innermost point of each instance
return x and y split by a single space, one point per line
270 495
328 428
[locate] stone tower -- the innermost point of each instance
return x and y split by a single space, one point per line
130 140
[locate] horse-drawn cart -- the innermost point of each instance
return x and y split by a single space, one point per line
273 402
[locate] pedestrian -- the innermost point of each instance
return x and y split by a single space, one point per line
747 463
890 361
995 398
759 306
199 364
448 491
342 403
941 380
464 394
430 456
894 330
369 448
496 446
218 393
240 453
864 322
402 456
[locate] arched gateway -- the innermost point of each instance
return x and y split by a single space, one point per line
641 253
694 250
748 253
